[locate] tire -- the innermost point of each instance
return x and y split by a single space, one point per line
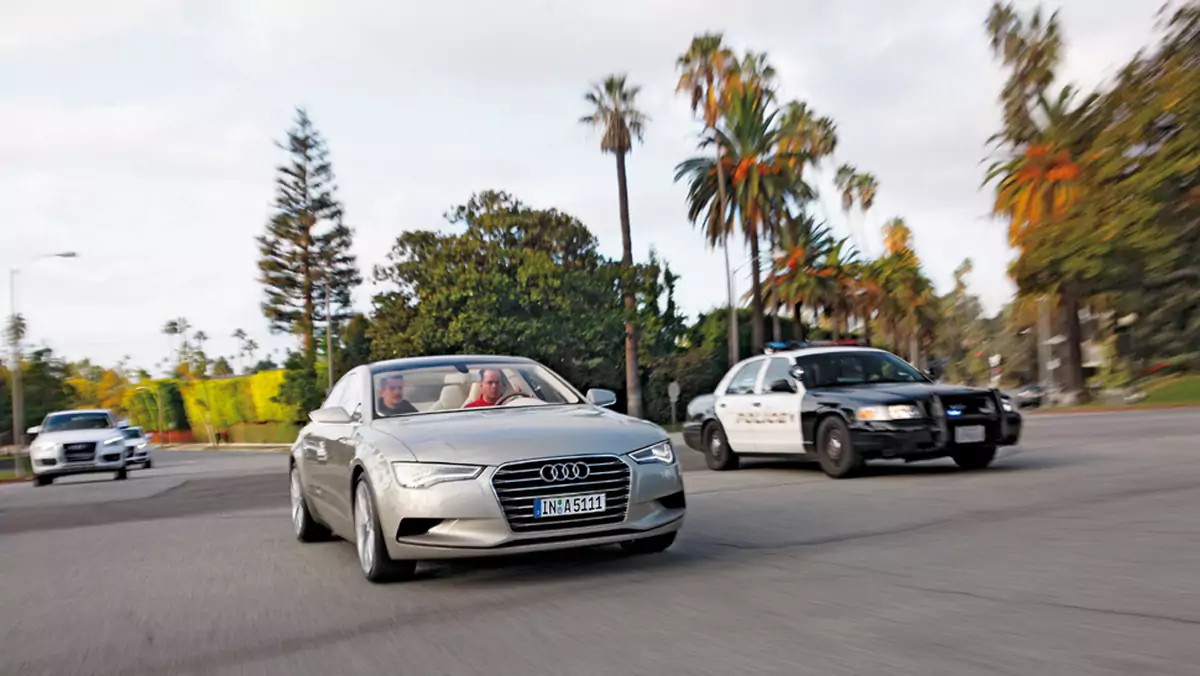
975 459
122 474
835 449
42 480
149 463
718 455
651 545
303 524
373 558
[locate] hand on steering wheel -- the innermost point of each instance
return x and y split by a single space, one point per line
509 397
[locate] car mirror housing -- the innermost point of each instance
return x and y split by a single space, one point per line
331 415
797 372
599 397
36 429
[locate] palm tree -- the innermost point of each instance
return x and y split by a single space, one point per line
615 111
803 243
857 188
837 273
707 68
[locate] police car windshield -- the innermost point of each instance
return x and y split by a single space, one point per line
856 367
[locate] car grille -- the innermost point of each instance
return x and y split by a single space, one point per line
517 484
79 452
968 405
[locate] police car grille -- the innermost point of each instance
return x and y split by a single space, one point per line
518 484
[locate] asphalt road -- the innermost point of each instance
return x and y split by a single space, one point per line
1079 554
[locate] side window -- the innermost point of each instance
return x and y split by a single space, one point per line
777 379
743 381
351 398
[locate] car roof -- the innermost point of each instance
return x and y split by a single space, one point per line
82 410
445 360
823 349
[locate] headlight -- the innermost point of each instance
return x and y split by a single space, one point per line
893 412
41 446
114 441
1006 404
426 474
662 453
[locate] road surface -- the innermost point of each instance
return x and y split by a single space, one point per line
1080 554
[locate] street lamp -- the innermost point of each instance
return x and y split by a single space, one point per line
18 401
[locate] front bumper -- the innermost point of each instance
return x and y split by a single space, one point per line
135 456
53 463
924 439
464 519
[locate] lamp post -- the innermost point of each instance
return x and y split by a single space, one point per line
18 398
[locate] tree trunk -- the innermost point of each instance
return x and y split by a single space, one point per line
836 322
734 348
776 329
799 330
1074 362
914 348
866 332
633 386
758 324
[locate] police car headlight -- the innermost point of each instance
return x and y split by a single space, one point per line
661 452
885 413
1006 404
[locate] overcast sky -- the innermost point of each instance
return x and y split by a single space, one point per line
140 133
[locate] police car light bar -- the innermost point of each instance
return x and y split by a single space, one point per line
773 347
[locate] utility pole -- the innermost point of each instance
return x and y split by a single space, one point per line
734 348
328 337
18 398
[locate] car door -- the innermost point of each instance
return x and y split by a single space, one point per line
779 397
736 407
315 457
340 447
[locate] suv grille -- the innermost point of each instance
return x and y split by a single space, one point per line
79 452
517 484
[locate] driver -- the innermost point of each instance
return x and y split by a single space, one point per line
491 387
391 400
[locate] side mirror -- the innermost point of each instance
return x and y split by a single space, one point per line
148 435
783 385
598 397
332 415
933 372
797 372
36 429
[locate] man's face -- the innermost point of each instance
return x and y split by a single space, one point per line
393 391
491 387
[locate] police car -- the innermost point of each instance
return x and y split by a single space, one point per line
842 405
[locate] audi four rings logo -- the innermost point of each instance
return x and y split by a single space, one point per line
565 471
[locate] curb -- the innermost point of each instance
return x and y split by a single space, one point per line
1108 409
225 449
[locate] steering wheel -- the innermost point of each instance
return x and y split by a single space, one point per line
510 396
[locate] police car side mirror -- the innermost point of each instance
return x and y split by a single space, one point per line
797 373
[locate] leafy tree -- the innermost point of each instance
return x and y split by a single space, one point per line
305 252
221 367
615 112
356 344
302 389
44 385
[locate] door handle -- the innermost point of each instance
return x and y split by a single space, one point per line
757 403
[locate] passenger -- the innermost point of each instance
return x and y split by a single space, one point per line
491 387
392 401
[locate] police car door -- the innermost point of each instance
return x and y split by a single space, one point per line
779 409
736 407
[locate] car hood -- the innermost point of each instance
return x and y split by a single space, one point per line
495 436
894 393
74 436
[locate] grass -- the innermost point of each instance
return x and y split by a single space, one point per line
1181 390
6 468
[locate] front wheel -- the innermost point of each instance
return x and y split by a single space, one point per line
42 480
718 455
652 545
975 459
122 474
835 449
373 558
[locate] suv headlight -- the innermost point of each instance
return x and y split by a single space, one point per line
662 453
893 412
426 474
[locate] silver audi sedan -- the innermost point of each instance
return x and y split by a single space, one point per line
464 456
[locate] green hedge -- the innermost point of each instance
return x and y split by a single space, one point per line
697 371
241 407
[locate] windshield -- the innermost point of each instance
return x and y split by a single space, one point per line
76 421
131 433
856 367
463 385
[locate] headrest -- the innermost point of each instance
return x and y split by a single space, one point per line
458 379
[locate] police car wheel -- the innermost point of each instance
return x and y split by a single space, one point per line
835 449
717 453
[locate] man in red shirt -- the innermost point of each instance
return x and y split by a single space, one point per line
490 389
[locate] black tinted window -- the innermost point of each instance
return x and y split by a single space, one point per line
852 367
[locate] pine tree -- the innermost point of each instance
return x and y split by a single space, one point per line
305 252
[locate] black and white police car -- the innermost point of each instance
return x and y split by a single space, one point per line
843 405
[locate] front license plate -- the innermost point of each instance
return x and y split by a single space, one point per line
969 435
567 505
